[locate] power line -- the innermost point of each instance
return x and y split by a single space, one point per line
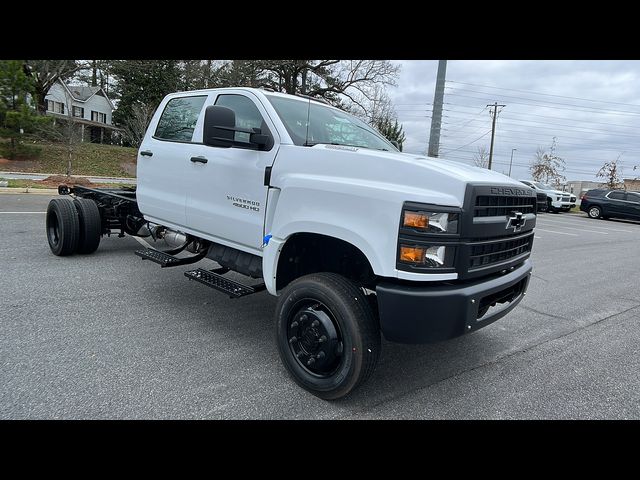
609 112
545 94
484 135
527 115
490 95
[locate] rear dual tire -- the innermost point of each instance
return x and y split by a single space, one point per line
63 226
73 226
90 226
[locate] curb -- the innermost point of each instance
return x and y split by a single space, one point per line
36 191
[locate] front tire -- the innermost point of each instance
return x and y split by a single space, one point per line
594 212
63 226
550 208
327 334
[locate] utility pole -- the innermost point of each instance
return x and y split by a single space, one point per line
436 117
493 130
511 161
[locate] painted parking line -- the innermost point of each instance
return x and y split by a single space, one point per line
582 222
552 231
558 225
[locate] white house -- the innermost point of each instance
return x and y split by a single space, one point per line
90 107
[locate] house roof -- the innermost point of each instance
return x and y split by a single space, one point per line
82 93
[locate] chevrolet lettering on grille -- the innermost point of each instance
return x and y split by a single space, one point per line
516 222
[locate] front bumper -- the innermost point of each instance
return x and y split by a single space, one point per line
562 204
426 314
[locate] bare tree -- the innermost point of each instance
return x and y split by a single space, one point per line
611 173
66 130
481 157
547 166
333 80
135 125
47 72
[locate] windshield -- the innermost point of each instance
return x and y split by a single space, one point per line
325 125
543 186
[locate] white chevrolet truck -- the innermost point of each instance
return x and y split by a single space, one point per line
557 200
355 238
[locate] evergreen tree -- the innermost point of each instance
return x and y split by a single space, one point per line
143 82
17 117
391 130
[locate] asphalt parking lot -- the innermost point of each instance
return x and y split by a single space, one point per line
109 336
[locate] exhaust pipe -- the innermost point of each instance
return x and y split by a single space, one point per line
175 239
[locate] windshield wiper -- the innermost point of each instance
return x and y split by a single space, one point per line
310 144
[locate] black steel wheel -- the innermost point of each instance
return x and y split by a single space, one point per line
63 226
550 208
327 334
90 225
594 211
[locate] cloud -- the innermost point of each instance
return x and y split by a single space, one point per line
591 107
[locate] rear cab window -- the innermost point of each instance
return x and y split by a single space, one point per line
178 120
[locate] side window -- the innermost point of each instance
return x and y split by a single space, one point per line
247 114
178 120
616 196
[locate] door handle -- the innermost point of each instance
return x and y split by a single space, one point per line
146 153
199 160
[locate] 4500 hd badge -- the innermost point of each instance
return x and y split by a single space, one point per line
244 203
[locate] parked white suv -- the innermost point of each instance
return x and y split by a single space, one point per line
557 200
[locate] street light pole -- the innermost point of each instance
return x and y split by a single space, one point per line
511 161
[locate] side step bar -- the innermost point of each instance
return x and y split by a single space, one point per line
166 260
225 285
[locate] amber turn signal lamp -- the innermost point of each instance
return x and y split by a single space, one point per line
415 220
412 254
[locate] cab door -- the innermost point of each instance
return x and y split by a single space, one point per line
163 160
228 195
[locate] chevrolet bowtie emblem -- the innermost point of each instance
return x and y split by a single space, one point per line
516 222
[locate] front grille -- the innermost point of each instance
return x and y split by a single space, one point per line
493 206
566 198
487 253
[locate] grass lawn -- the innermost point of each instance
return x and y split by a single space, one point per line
90 159
14 183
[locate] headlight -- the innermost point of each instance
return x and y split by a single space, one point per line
433 256
430 222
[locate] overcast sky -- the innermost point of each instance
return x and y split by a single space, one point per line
592 107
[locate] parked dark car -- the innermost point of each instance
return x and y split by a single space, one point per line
603 203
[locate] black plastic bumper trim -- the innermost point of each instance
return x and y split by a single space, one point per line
427 314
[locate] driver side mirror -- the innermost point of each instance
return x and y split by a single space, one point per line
219 126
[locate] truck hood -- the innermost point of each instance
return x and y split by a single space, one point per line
406 176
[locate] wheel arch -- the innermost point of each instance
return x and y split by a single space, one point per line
305 252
